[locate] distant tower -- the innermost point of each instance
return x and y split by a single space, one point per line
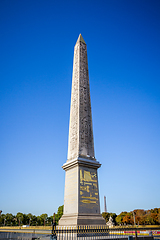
81 196
105 205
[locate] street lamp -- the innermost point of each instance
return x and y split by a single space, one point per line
134 218
19 221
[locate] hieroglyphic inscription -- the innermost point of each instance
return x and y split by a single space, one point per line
74 111
80 129
86 144
89 196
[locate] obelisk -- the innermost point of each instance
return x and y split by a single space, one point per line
81 196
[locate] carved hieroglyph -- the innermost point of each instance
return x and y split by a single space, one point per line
80 130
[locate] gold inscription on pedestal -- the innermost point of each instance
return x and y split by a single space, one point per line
88 188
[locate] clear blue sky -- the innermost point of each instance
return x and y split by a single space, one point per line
37 39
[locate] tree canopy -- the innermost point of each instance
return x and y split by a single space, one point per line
29 219
138 217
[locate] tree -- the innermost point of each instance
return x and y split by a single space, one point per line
119 218
106 215
9 219
43 218
49 221
148 217
59 214
29 217
2 219
140 216
154 217
128 218
34 220
159 217
113 215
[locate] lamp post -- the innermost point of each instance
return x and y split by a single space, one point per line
53 236
134 218
135 225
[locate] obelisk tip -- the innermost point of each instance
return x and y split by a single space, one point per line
80 39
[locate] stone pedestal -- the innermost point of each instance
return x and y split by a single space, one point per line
81 199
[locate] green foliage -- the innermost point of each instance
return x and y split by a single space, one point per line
106 216
113 215
119 218
43 219
9 218
2 217
28 219
59 214
142 217
34 221
49 221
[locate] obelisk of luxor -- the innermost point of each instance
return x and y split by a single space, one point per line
81 196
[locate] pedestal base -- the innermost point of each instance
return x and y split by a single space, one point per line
82 219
